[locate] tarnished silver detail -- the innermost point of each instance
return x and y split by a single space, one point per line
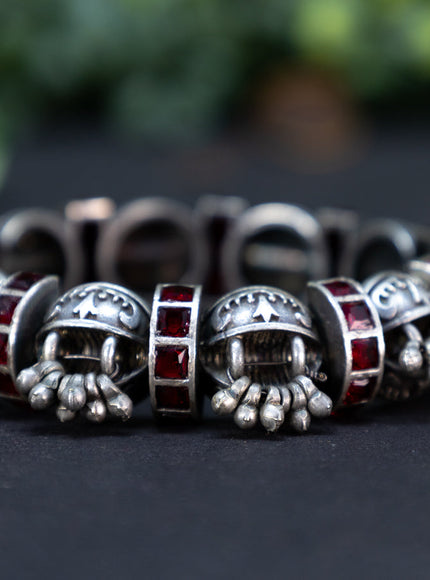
266 336
107 358
29 377
235 357
64 414
73 395
95 411
274 243
272 412
225 401
41 397
403 303
300 420
50 347
399 298
246 415
92 346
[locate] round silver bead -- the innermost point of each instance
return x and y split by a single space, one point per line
256 341
92 353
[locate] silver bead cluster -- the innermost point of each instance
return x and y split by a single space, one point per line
261 349
99 328
94 396
259 345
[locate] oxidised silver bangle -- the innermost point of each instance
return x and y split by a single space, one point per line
261 354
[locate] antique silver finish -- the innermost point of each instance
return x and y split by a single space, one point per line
150 241
399 298
260 347
41 240
274 243
379 244
175 394
30 299
403 304
333 303
420 268
93 351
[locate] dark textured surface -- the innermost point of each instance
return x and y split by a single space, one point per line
349 500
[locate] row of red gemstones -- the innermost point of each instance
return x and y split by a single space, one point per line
171 362
365 351
8 304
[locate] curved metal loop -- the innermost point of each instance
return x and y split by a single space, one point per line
150 241
276 244
41 240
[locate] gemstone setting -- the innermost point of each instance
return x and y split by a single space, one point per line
176 294
173 398
23 281
8 305
353 338
173 321
171 363
173 351
21 317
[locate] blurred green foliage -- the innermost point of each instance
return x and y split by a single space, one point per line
174 68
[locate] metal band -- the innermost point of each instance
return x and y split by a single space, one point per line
352 337
221 243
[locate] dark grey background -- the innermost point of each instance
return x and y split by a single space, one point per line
349 500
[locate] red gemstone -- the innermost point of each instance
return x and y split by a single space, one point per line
176 294
3 348
7 308
7 386
360 390
24 280
173 321
357 316
365 354
171 362
340 288
174 398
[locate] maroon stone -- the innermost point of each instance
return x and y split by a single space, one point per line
173 321
340 288
358 316
365 354
176 294
7 387
360 390
3 348
173 398
7 308
171 362
24 280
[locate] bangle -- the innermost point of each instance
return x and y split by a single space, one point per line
259 352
